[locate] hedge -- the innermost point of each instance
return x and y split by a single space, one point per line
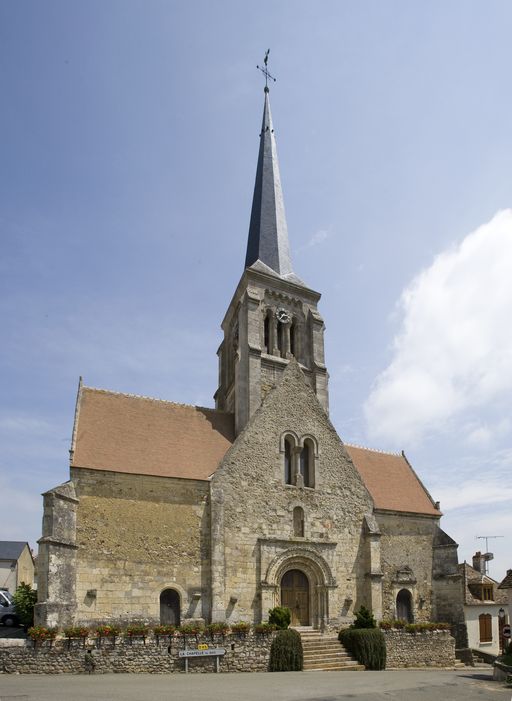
367 645
286 652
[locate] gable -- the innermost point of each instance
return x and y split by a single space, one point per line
292 408
139 435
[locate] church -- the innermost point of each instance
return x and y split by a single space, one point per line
175 513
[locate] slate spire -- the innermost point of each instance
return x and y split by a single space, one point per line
268 233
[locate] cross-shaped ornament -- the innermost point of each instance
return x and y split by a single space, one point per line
265 72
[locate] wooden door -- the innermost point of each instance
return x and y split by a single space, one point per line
295 596
170 607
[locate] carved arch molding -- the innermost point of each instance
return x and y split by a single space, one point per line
301 558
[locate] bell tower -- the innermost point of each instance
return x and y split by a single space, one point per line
273 315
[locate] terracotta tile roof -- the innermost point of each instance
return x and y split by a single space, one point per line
128 433
391 481
473 579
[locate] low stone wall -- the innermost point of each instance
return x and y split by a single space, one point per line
425 649
242 655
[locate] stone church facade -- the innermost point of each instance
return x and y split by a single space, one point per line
176 512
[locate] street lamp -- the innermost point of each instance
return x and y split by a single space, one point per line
501 623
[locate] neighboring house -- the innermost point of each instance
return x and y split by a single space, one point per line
506 587
482 603
16 564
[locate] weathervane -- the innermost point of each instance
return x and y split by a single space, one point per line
265 70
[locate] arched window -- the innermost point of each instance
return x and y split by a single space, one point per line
485 623
306 464
404 606
288 466
298 522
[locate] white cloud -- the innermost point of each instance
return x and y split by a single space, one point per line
316 239
453 351
468 493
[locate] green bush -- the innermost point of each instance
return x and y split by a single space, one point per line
367 645
280 617
286 652
25 598
364 619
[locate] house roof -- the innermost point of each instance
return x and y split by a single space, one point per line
507 582
391 481
139 435
11 549
473 579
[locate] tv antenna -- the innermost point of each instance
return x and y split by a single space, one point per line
487 555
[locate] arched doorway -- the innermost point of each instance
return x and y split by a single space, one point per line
295 596
404 605
170 607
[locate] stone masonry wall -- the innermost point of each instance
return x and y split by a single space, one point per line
252 514
249 655
407 540
137 536
429 648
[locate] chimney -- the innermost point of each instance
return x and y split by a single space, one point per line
479 562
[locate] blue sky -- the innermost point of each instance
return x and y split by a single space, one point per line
128 154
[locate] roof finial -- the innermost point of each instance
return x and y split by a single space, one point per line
265 70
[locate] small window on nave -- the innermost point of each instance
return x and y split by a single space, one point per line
298 522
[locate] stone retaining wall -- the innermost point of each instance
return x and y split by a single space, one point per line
425 649
242 655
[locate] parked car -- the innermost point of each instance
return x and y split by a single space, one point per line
7 611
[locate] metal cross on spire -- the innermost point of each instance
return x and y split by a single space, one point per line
265 72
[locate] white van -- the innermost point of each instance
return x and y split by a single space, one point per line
7 611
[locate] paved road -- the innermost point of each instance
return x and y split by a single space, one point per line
406 685
17 632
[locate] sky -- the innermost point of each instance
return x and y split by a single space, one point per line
129 137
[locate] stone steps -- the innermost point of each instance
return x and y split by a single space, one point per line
325 653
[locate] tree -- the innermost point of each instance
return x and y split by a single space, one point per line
25 598
364 619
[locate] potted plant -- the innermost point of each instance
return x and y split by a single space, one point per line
107 631
219 629
191 630
264 629
164 631
240 629
76 633
40 634
136 630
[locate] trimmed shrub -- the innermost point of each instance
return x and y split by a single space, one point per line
367 645
286 652
280 617
364 619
